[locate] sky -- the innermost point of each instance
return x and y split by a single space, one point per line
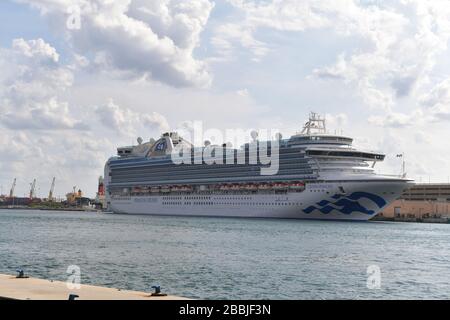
79 78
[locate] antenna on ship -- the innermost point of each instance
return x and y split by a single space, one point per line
315 122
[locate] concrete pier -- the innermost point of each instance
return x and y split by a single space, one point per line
12 288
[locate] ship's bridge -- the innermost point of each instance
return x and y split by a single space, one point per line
337 153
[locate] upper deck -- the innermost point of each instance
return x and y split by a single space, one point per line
306 155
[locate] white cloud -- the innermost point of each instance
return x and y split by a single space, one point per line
398 43
439 95
127 122
436 102
38 50
434 106
139 38
342 17
397 120
243 92
29 91
228 36
48 115
336 120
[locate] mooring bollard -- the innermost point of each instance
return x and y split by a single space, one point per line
73 297
157 292
21 274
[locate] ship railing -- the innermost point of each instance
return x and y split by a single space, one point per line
402 176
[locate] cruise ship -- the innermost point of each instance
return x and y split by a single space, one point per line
319 176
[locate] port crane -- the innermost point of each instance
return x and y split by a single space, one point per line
11 192
52 189
33 189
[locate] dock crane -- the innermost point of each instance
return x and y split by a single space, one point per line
52 189
33 189
11 192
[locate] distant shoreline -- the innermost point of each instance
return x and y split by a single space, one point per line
50 209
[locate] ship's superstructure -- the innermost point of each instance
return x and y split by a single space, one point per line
318 176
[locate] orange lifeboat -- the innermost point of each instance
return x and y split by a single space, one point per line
185 189
176 188
251 187
280 186
264 186
235 187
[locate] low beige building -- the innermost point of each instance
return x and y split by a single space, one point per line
416 209
421 201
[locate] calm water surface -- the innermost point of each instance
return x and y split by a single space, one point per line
225 258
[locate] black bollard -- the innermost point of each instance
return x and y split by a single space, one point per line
157 292
21 274
73 297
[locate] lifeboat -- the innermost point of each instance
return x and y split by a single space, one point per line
225 187
235 187
136 190
280 186
251 187
165 189
154 189
264 186
176 188
185 189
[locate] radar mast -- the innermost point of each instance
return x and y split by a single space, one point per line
315 124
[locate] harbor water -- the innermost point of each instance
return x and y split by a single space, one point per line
228 258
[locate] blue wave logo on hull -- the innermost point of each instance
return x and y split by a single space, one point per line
347 204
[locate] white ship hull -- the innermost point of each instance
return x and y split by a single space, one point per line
350 200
